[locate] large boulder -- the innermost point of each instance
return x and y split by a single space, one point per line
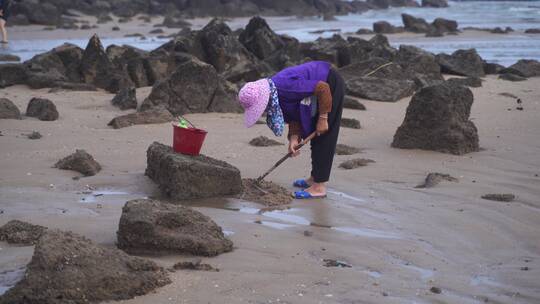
8 110
189 177
376 67
383 27
59 65
195 87
259 38
153 227
415 25
438 119
327 49
419 65
42 108
380 89
445 25
12 74
96 68
81 162
125 99
462 62
434 3
68 268
524 68
133 62
154 116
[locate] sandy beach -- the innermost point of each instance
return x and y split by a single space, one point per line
400 241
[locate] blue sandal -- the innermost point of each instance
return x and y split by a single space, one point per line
301 183
306 195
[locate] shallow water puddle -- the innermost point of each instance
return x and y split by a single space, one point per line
275 225
9 278
371 233
94 195
345 195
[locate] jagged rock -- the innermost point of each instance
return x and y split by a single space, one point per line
419 64
524 68
376 68
259 38
380 89
346 150
462 62
263 141
43 109
97 69
505 197
153 227
126 99
415 25
355 163
492 68
195 87
433 179
332 50
511 77
383 27
154 116
81 162
61 64
351 103
12 74
68 268
445 25
187 177
434 3
350 123
134 63
9 58
473 82
438 119
19 232
8 110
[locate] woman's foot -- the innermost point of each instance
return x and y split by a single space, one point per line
303 183
317 190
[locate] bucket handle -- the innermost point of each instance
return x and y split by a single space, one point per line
189 122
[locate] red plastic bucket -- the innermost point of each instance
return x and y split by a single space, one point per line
188 141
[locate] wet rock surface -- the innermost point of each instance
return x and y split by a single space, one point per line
342 149
155 116
68 268
437 119
189 177
125 99
263 141
350 123
433 179
42 109
266 193
355 163
8 110
154 227
19 232
498 197
81 162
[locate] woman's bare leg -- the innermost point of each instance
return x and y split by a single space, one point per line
3 30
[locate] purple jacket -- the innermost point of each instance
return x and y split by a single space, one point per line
296 83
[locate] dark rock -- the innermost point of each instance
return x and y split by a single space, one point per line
81 162
12 74
34 135
383 27
195 87
126 99
9 58
435 290
346 150
355 163
404 3
498 30
71 86
43 109
462 62
187 177
156 31
134 63
376 68
415 25
97 69
115 28
433 179
153 227
351 103
380 89
194 265
333 50
8 110
61 64
19 232
434 3
492 68
524 68
336 263
473 82
173 22
438 119
445 25
264 192
511 77
506 197
532 31
68 268
263 141
153 116
259 38
419 65
350 123
363 31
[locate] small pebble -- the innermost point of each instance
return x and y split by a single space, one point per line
436 290
308 233
524 268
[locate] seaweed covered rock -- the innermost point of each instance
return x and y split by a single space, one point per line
42 108
438 119
68 268
182 176
19 232
8 110
153 227
81 162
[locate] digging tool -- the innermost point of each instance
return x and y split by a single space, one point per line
284 158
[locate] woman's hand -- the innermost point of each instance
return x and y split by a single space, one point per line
294 140
322 125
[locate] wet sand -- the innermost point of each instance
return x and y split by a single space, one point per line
400 241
